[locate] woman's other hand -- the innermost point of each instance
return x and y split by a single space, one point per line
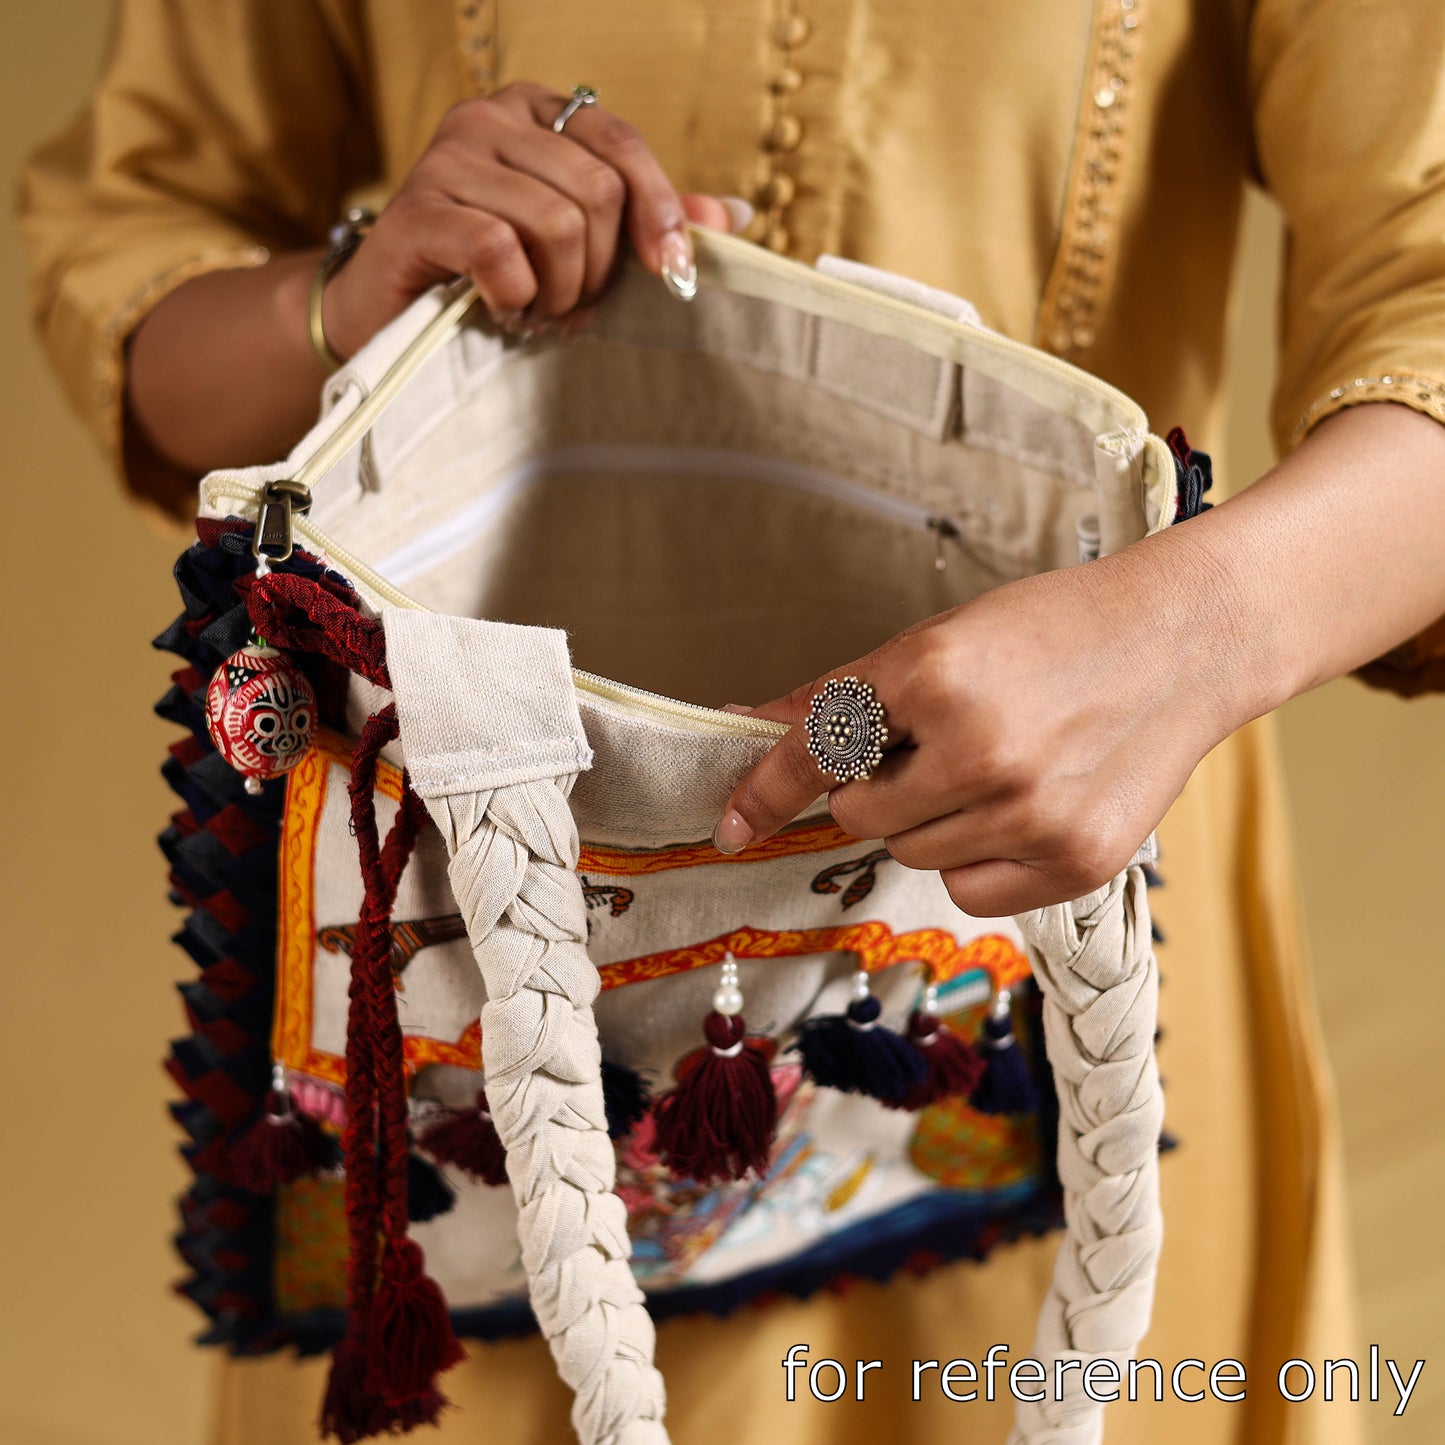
1037 735
535 218
1042 730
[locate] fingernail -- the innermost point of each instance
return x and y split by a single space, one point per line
508 320
736 707
678 268
740 213
732 833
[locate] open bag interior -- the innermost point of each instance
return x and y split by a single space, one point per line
720 500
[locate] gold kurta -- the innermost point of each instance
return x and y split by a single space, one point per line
1077 171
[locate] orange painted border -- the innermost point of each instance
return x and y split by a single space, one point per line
816 837
876 946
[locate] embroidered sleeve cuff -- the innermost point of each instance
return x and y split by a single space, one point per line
1423 393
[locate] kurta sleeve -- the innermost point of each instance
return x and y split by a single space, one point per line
219 131
1349 123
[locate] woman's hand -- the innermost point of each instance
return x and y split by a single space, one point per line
534 218
1041 732
1044 728
221 372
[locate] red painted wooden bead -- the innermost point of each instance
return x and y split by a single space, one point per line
261 713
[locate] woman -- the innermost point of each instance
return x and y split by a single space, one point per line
1077 172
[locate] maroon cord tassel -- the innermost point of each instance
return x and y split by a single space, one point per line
281 1146
469 1141
349 1411
399 1332
411 1339
718 1122
352 1411
954 1068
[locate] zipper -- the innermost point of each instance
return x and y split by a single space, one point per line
287 509
748 271
457 532
685 714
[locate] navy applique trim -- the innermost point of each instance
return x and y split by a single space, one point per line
222 849
1193 473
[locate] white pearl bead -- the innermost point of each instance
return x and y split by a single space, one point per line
728 1001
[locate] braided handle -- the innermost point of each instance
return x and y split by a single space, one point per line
513 854
1094 962
493 743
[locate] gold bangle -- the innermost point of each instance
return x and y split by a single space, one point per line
345 237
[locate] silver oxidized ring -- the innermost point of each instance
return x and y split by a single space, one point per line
581 95
846 729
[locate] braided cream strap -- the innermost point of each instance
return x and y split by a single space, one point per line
513 859
1094 962
493 743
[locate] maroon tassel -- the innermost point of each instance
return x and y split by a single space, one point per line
352 1411
954 1068
349 1411
469 1140
399 1332
718 1122
281 1146
411 1340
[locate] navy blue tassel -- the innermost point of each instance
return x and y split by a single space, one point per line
1194 475
427 1193
854 1053
1007 1086
625 1096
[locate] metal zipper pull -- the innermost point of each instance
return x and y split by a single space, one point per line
273 539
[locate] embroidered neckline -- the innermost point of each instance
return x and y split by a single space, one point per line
476 25
1083 264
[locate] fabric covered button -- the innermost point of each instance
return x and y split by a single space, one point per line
785 134
779 190
793 31
787 80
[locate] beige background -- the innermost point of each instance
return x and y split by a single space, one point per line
93 1349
